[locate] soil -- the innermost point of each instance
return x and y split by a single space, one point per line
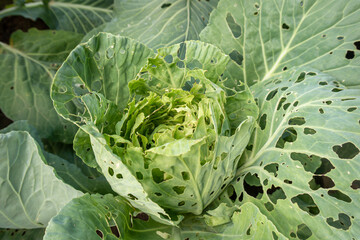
8 25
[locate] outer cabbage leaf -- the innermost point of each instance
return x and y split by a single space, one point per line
301 166
31 194
108 217
28 65
22 234
268 37
69 15
159 23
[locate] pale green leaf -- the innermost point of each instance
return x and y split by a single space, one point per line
268 37
31 194
159 23
28 65
107 217
69 15
302 164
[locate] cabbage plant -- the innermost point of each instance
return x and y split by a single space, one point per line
239 124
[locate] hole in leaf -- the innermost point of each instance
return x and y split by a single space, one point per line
285 26
287 181
355 184
185 176
272 168
346 151
300 78
169 59
275 193
306 203
182 51
236 56
179 189
180 64
323 83
160 176
194 64
165 5
262 121
297 121
321 182
311 74
99 233
344 222
296 103
289 135
132 197
309 131
284 68
248 231
256 13
321 111
275 237
271 95
115 231
119 176
325 166
182 203
351 109
282 100
241 198
252 185
303 232
142 216
158 194
357 45
269 206
339 195
234 27
340 38
350 54
139 176
293 235
231 193
111 171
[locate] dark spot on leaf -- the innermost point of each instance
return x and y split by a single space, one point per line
355 184
344 222
262 121
285 26
271 95
303 232
350 54
234 27
339 195
12 88
357 45
236 56
306 203
346 151
165 5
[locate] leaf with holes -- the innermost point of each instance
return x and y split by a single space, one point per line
300 168
69 15
31 193
159 23
105 217
266 38
28 66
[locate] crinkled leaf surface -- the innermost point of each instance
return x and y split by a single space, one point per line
22 234
28 65
92 216
268 37
302 171
159 23
31 194
246 223
69 15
